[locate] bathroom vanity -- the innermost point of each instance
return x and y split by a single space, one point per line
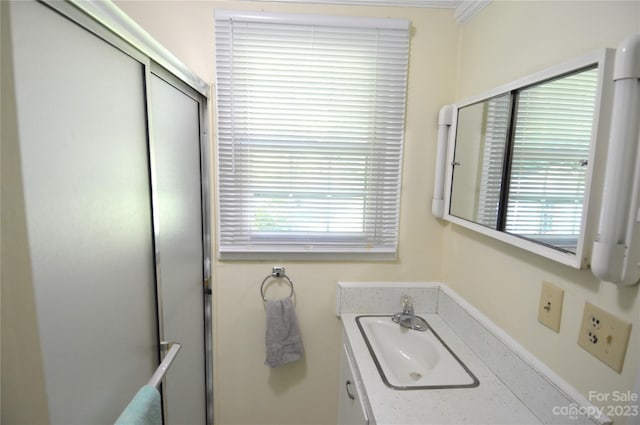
478 375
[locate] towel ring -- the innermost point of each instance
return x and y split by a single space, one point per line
278 272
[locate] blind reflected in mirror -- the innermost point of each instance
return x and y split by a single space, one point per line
551 146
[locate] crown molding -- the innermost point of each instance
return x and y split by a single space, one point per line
464 10
467 9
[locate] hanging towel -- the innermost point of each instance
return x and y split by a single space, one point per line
144 408
283 338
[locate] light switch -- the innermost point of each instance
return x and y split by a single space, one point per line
550 308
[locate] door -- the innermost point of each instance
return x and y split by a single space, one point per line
110 165
175 153
351 410
84 161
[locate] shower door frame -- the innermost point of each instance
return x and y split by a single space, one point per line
109 23
202 101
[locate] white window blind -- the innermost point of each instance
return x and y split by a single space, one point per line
496 120
550 155
310 127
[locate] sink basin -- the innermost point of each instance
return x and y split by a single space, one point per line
412 360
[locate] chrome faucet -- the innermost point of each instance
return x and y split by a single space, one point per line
407 305
407 318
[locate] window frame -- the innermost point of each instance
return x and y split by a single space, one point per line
264 244
603 59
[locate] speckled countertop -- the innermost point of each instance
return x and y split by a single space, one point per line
515 387
490 403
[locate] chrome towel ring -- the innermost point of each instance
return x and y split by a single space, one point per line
277 272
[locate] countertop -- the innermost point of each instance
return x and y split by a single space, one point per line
490 403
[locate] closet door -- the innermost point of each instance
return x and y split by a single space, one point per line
84 159
175 153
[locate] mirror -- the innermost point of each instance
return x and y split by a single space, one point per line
481 139
550 155
521 159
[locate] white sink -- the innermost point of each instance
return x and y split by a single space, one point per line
408 359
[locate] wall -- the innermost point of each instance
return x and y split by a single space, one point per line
505 41
306 392
1 25
24 400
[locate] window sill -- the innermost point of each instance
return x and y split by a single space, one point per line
308 256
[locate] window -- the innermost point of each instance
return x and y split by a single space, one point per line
310 124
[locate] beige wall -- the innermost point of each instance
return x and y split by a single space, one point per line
1 25
509 40
501 281
23 394
248 392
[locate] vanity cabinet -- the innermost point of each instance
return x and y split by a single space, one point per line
351 407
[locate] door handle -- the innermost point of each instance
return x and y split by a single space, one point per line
349 394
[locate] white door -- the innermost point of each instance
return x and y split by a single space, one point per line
351 410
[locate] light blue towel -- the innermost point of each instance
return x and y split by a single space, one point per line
283 338
144 408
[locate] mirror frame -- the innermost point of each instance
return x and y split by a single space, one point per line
603 59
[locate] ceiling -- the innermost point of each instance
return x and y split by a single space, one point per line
464 10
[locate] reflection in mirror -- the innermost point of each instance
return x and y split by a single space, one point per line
479 156
520 159
551 146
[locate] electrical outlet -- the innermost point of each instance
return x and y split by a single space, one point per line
550 308
604 336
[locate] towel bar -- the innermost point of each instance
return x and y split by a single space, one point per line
157 376
277 272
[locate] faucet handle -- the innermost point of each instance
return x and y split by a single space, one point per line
407 304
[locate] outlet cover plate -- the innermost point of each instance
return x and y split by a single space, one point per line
550 307
604 336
